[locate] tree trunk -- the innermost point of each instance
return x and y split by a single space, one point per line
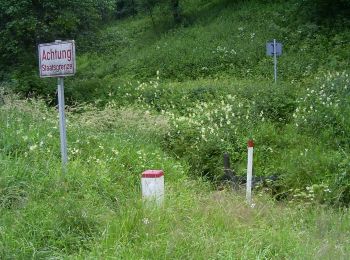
150 12
175 7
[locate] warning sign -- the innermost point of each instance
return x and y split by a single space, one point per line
57 59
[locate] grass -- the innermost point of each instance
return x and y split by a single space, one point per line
95 210
232 39
177 98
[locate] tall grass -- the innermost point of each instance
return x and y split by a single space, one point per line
218 40
95 211
177 98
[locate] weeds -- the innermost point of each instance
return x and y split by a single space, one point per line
153 102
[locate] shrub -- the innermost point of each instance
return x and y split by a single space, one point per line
207 130
271 101
324 109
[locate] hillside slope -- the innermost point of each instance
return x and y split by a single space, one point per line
95 209
219 39
159 96
212 77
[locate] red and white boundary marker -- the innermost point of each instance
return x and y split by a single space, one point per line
152 184
250 171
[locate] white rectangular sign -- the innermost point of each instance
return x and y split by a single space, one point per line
57 59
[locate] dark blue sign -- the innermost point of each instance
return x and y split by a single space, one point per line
270 48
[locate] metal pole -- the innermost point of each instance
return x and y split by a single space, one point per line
60 90
275 59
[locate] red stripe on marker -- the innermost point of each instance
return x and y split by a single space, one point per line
250 143
152 174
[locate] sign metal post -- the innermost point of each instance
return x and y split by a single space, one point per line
58 60
63 135
275 59
274 49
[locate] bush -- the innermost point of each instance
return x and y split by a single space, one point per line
47 21
275 102
324 109
325 12
207 130
342 182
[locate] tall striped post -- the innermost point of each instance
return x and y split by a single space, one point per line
250 172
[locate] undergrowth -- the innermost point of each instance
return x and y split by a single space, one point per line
94 210
177 98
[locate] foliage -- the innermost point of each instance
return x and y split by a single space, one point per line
232 37
325 108
209 128
176 98
289 146
326 11
232 45
125 8
24 24
94 210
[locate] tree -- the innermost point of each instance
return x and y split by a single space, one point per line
125 8
175 8
24 24
148 6
326 11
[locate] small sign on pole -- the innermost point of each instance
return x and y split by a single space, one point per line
274 49
58 60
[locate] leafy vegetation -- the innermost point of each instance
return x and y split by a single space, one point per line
44 21
95 211
174 85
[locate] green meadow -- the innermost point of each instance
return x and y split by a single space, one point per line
151 94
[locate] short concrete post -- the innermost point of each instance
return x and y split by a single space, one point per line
152 184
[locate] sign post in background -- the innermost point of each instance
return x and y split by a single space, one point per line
58 60
274 49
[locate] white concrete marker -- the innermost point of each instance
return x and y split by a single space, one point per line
152 184
250 172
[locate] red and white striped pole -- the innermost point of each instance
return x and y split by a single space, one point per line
250 171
